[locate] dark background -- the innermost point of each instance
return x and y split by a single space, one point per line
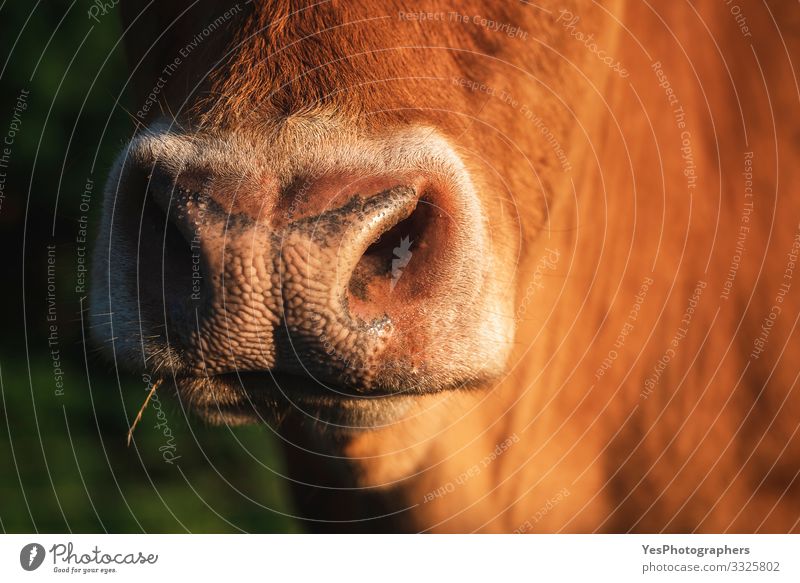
64 464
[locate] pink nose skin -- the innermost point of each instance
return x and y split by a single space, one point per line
348 268
320 295
336 274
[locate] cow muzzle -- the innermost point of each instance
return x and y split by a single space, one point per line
365 282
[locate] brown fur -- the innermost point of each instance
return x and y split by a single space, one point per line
715 445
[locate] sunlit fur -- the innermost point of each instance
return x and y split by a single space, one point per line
714 445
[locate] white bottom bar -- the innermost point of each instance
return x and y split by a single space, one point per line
389 558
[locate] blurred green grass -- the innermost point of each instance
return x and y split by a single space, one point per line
64 464
66 467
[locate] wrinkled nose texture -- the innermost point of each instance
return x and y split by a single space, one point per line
314 296
330 321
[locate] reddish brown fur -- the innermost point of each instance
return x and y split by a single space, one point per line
715 446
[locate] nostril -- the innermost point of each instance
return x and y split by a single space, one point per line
167 259
408 232
383 274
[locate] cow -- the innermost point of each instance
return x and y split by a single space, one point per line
483 266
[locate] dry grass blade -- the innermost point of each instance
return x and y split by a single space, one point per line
144 405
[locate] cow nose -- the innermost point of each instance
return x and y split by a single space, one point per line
338 273
321 294
340 259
